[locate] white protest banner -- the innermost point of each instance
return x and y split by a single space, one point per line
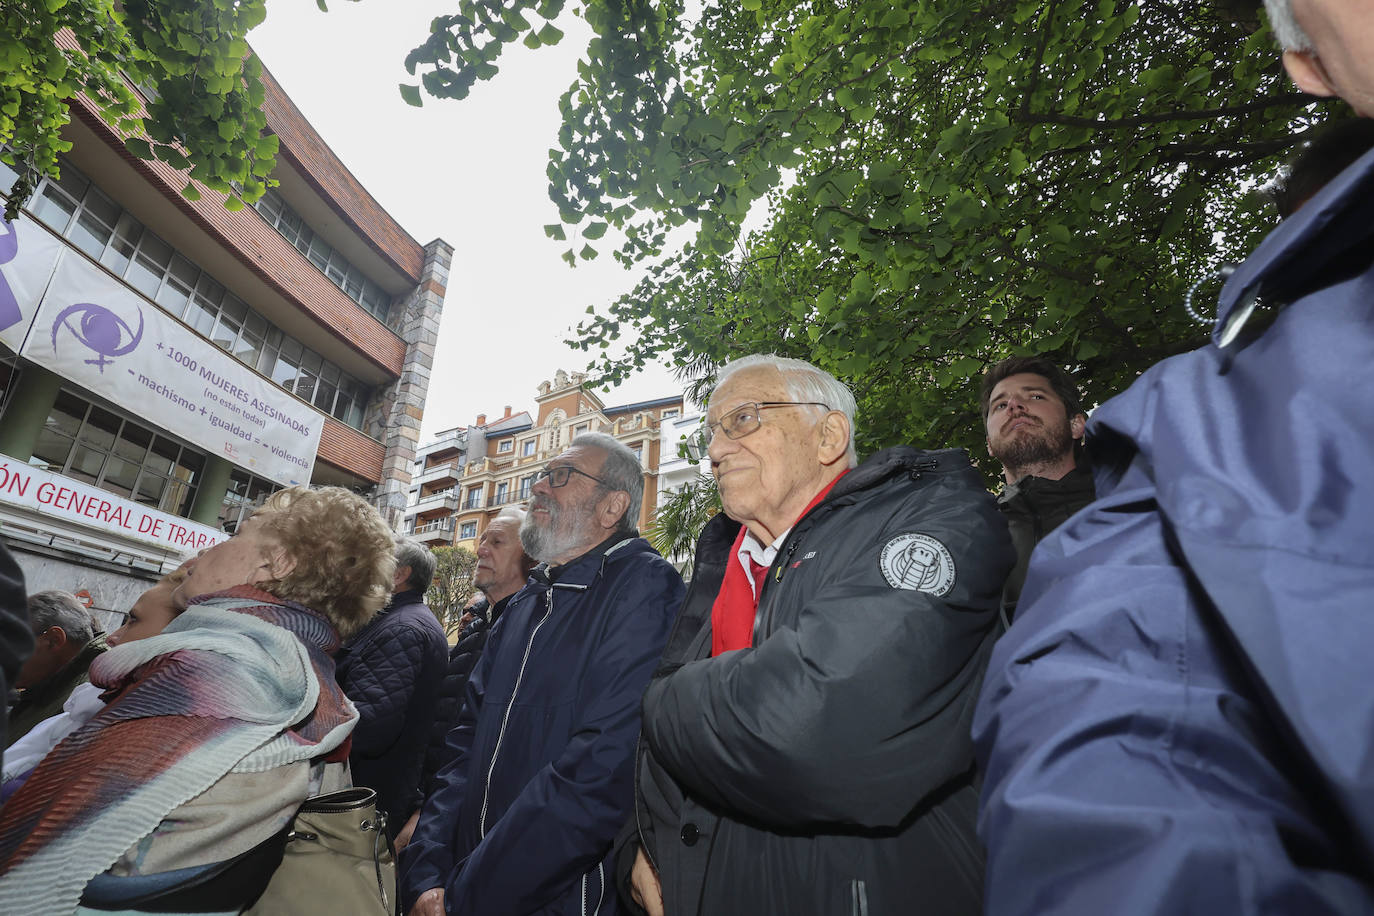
61 497
96 331
27 255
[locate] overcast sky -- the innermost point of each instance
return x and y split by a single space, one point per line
469 172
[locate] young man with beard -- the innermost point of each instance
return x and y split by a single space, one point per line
540 763
1035 429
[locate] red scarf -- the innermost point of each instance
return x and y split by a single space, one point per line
732 614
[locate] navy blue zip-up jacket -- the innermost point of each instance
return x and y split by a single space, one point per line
540 764
1180 719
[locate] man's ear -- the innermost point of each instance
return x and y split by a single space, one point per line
612 508
1077 424
1306 70
834 437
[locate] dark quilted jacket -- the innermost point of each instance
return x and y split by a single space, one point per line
392 671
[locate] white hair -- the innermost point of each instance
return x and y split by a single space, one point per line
510 514
1285 26
804 382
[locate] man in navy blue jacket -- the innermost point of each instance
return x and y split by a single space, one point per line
392 670
540 775
1180 719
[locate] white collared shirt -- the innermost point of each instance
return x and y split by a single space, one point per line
752 548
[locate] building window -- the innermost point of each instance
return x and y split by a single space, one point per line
468 531
97 446
502 491
505 445
279 215
474 500
638 449
526 484
527 447
670 413
93 222
245 494
581 428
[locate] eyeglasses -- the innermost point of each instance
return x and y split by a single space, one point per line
740 422
559 476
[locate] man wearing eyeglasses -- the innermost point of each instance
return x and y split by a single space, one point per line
540 762
805 746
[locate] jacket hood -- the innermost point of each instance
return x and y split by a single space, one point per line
1332 225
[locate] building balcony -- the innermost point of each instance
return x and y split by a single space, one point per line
446 500
457 441
437 533
448 471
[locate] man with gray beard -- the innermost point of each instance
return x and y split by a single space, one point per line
540 771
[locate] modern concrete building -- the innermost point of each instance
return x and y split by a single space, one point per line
467 476
165 364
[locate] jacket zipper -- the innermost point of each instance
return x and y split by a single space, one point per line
600 894
519 678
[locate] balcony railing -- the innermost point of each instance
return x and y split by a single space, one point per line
443 525
439 472
444 499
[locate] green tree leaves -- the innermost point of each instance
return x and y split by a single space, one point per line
203 108
452 589
945 183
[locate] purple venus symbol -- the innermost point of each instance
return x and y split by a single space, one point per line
99 330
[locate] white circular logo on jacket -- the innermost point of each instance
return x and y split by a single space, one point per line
918 562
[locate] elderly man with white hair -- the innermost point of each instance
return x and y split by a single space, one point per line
805 742
1179 721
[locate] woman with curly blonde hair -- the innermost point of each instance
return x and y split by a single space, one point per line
216 729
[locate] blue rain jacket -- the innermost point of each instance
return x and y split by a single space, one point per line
1181 718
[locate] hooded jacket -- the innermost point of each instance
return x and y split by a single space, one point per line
827 769
1180 720
540 764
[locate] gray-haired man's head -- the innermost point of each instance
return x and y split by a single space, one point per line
591 491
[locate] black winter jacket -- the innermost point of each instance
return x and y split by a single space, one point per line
828 769
461 660
1035 506
391 670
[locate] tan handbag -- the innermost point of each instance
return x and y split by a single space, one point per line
338 860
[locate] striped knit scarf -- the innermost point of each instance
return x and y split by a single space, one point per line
240 682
